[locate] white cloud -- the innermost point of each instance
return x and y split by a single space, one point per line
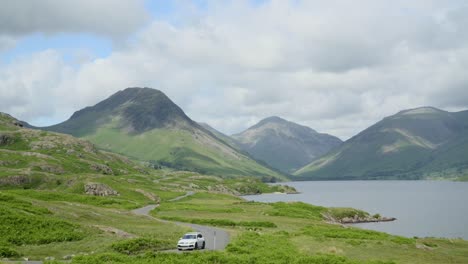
337 66
107 17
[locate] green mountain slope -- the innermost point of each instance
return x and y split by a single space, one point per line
145 124
233 143
31 158
413 144
284 145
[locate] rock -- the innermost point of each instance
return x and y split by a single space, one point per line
17 180
39 145
193 186
70 151
141 170
49 258
123 171
6 139
153 197
102 169
99 189
18 124
68 257
115 231
219 188
51 168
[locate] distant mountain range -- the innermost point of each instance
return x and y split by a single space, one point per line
284 145
145 124
418 143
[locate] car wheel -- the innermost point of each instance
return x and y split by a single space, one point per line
196 245
203 245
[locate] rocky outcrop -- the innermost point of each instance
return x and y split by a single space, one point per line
6 139
153 197
99 189
17 180
356 219
104 169
219 188
55 169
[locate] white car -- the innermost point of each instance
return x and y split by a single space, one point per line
193 240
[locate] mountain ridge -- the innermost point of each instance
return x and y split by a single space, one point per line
406 145
143 123
283 144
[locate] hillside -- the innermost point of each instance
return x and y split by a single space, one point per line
413 144
284 145
221 136
47 212
145 124
33 158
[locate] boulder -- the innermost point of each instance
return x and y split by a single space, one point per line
17 180
6 139
104 169
99 189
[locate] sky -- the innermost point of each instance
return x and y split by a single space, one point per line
335 66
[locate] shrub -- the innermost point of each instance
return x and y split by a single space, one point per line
297 210
6 252
139 245
331 231
220 222
23 223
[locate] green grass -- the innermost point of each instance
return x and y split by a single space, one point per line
220 222
22 223
178 149
339 213
250 247
140 245
51 216
297 210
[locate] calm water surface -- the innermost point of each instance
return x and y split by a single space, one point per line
422 208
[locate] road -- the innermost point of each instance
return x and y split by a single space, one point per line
215 238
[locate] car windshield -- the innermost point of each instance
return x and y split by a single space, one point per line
189 237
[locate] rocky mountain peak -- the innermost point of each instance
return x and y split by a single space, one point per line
140 109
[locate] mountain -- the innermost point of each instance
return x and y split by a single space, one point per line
220 135
144 124
283 144
418 143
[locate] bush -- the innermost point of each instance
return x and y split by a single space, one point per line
220 222
339 213
297 210
23 223
6 252
330 231
140 245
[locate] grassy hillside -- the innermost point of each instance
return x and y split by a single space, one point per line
146 125
413 144
46 213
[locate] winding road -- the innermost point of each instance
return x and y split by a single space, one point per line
215 238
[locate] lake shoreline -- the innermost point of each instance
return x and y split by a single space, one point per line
425 208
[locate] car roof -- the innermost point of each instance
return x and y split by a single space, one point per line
193 233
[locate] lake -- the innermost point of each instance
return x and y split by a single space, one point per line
422 208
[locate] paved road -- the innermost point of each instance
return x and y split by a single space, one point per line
215 238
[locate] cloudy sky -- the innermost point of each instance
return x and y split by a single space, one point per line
336 66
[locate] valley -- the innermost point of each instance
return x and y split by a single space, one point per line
150 179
